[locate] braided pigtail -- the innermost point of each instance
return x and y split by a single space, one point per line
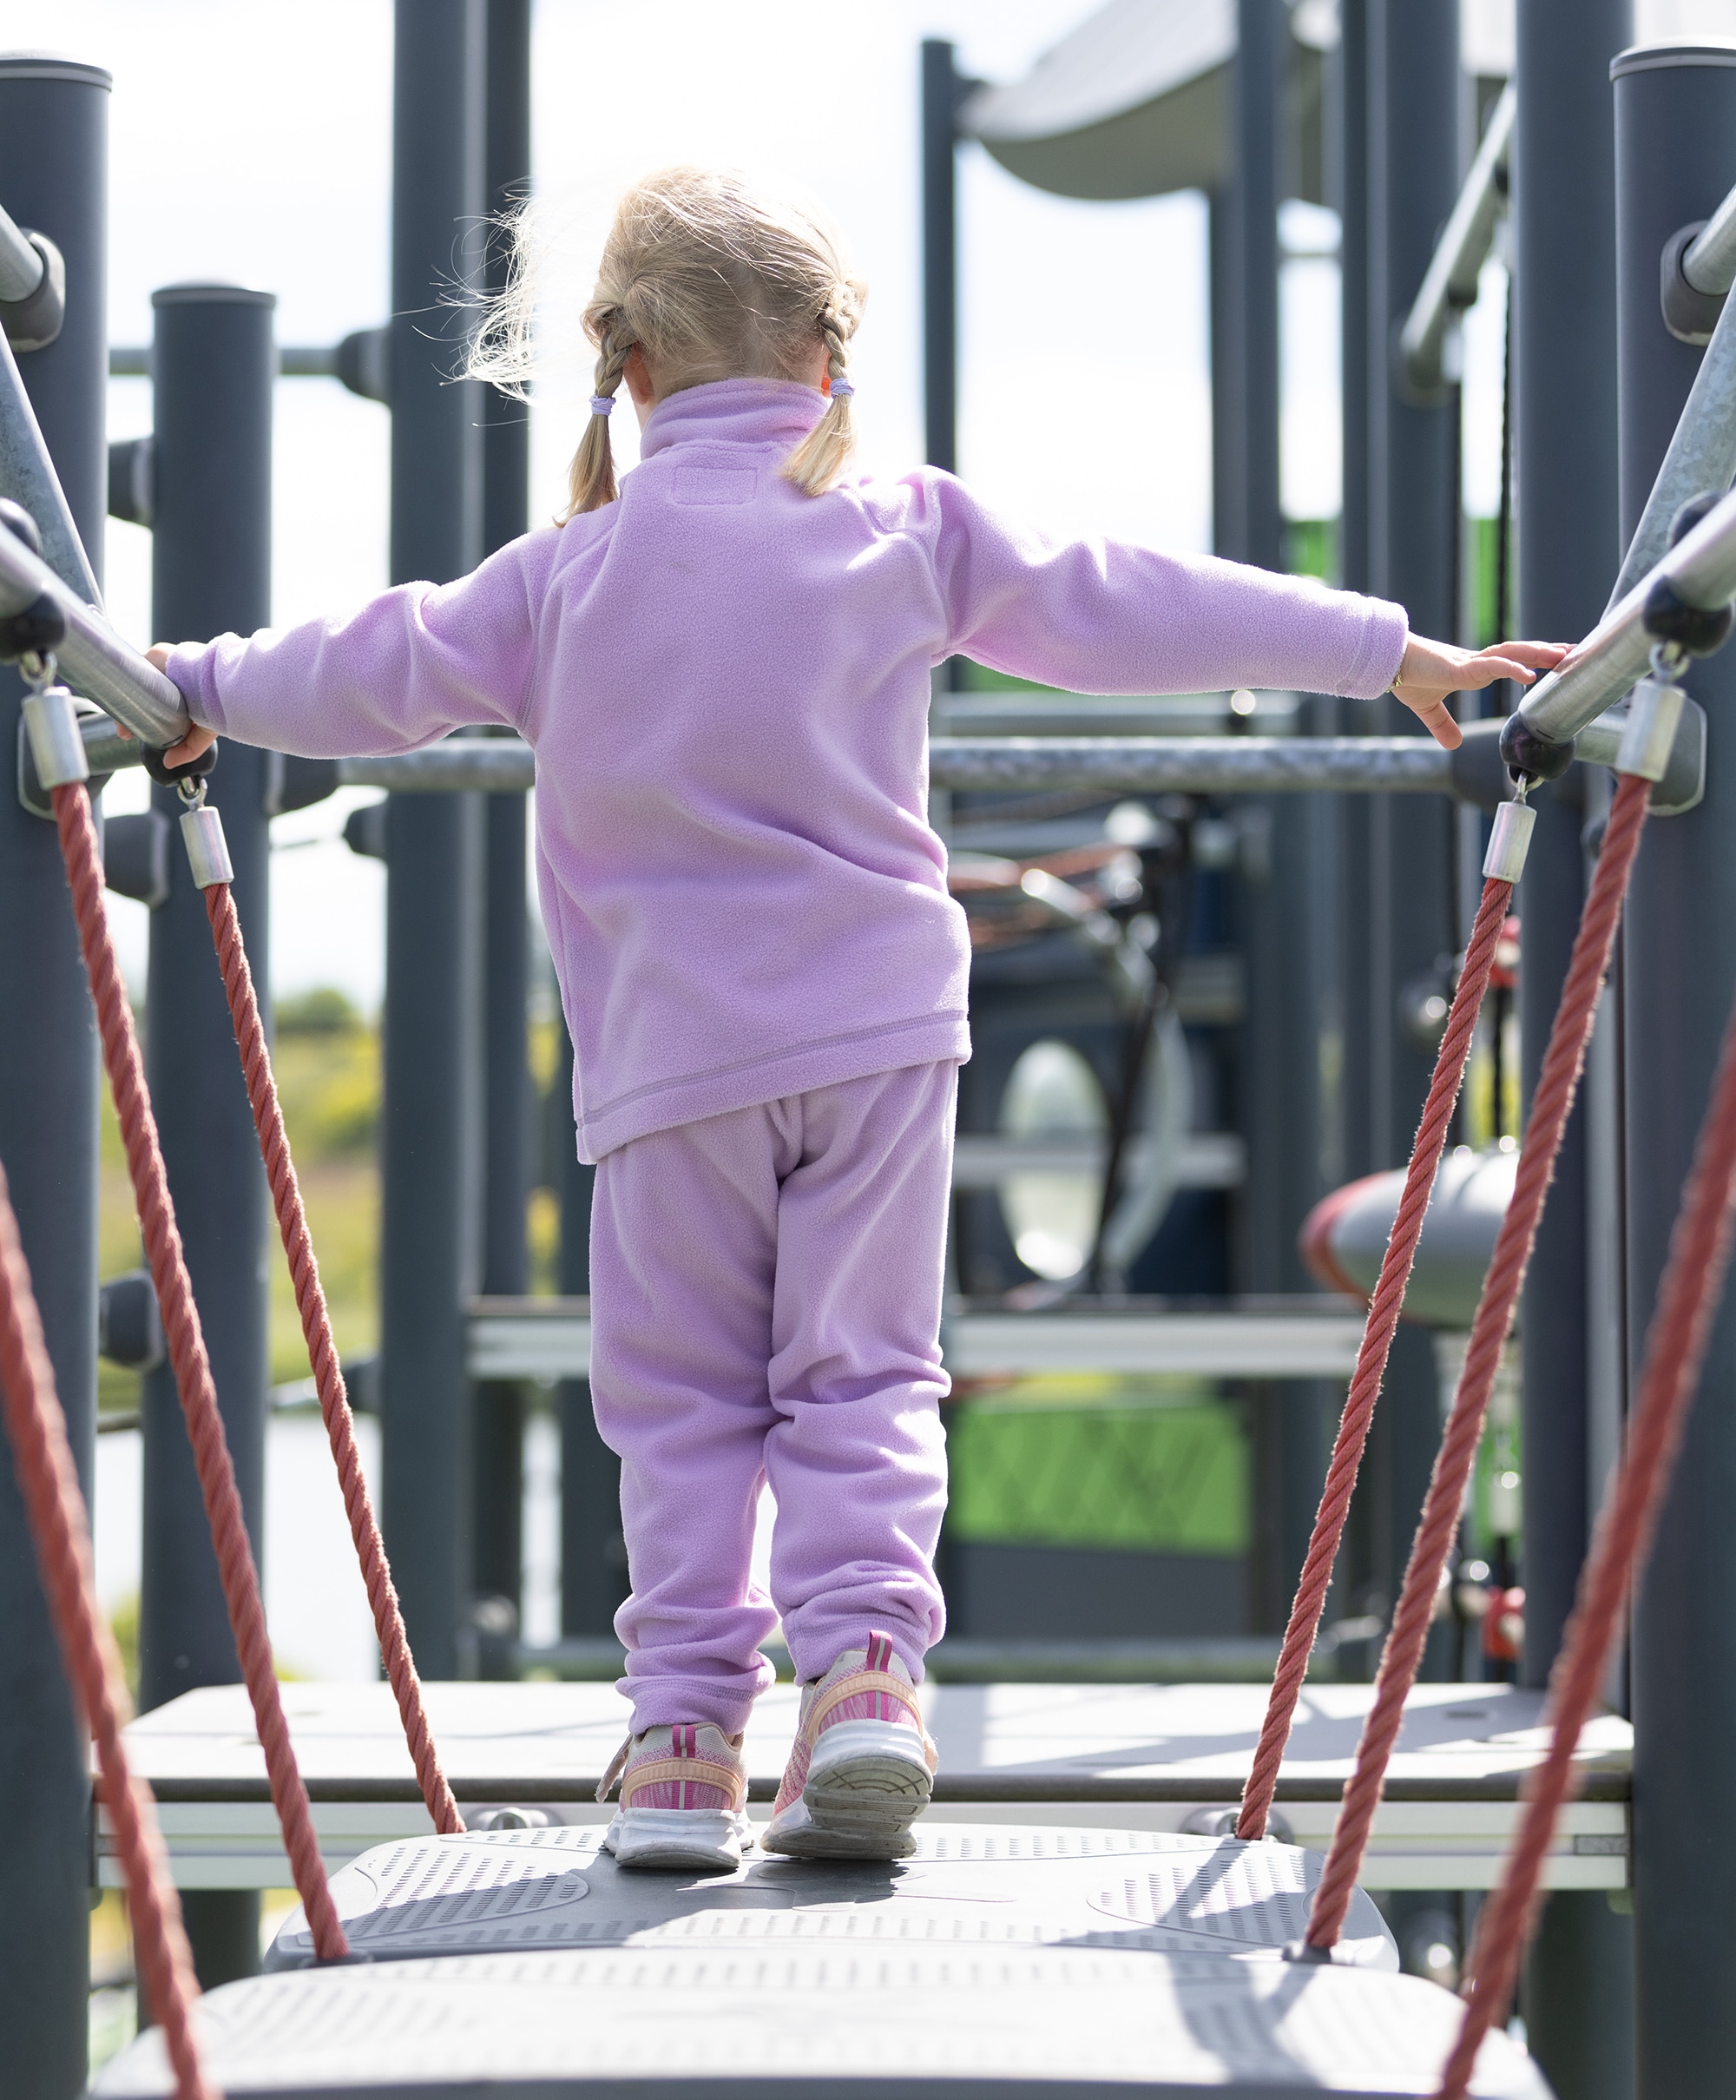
822 455
590 479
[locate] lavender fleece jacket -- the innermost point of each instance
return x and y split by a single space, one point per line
725 684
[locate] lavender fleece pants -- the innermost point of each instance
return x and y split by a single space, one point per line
765 1296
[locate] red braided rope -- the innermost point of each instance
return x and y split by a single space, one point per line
1371 1364
316 1325
1557 1083
192 1366
1689 1296
61 1533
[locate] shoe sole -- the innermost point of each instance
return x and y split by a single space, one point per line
867 1784
694 1841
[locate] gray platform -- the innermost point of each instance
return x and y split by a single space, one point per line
840 2022
1126 1756
968 1885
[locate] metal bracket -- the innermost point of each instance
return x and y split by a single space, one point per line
33 797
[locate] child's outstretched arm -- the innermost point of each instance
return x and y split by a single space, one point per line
413 664
1108 617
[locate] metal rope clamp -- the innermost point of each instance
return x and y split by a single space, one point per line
207 850
1509 836
51 726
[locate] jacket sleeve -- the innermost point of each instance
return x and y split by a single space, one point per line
1095 616
411 665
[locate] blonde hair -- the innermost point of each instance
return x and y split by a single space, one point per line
711 278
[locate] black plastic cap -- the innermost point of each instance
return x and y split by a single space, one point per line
1692 628
1530 757
172 776
37 630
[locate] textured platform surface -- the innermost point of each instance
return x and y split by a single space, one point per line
842 2022
1130 1756
968 1886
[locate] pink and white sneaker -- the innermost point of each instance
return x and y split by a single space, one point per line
683 1797
862 1769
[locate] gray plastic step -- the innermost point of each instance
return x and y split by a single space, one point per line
844 2022
489 1891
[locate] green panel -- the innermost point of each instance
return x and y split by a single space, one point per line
1169 1477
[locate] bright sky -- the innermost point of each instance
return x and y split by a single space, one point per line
250 140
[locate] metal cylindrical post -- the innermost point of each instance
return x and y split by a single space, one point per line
940 252
213 369
1578 1997
54 117
506 501
1675 157
1413 171
432 1135
593 1548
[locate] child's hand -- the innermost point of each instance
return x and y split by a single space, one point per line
197 742
1432 670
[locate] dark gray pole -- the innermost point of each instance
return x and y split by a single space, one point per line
593 1550
432 1137
940 252
1578 1997
1280 895
1675 157
213 364
506 499
54 175
1413 176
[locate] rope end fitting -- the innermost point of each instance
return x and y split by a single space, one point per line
1530 756
52 725
207 850
1510 839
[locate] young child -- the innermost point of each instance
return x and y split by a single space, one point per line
724 671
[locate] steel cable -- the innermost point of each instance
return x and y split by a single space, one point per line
1557 1083
316 1326
193 1377
60 1530
1689 1296
1372 1355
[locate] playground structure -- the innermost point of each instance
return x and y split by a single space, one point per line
439 840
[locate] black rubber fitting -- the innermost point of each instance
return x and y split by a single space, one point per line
1690 315
21 526
1691 511
1691 628
1530 756
39 630
172 776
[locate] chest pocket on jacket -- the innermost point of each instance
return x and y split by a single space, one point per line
714 484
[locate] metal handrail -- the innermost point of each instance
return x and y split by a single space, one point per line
1449 283
1709 260
28 477
1700 570
93 658
21 263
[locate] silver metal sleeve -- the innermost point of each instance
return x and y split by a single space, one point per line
93 659
1509 839
207 850
1650 734
1709 262
21 265
56 745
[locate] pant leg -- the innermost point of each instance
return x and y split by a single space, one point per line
683 1262
857 1457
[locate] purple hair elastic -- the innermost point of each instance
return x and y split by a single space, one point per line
602 404
841 389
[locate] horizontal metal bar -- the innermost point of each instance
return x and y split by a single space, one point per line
1449 283
1197 765
21 265
1700 570
1709 261
1208 1159
1232 1660
294 361
493 765
550 1339
93 658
